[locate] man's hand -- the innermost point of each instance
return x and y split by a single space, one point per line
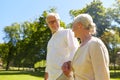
46 76
66 68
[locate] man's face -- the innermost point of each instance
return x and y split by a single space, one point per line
53 23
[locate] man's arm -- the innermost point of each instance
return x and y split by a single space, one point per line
73 44
46 76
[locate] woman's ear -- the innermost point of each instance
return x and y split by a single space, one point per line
80 25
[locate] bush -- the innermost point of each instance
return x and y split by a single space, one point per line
117 67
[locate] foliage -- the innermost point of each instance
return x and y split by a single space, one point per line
40 64
26 43
111 39
115 12
98 13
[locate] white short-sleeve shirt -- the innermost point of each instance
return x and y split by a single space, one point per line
61 48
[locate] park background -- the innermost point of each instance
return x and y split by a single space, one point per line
23 44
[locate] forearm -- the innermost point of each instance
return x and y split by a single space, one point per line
46 76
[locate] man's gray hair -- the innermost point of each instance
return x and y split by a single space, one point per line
87 21
56 15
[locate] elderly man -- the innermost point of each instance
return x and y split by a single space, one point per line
61 47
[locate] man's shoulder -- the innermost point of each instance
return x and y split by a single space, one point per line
66 30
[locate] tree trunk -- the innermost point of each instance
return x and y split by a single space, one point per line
9 59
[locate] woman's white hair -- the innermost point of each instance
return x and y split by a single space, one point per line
56 15
87 21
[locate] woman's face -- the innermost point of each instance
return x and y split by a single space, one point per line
76 29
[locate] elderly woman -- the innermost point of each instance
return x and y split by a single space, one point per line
91 61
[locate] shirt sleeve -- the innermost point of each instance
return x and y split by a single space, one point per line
100 61
46 69
72 44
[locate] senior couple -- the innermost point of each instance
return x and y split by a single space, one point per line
67 60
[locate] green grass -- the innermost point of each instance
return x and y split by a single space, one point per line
29 75
115 75
21 75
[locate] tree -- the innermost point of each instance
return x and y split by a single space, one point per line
27 42
4 49
116 12
111 39
98 12
12 36
114 16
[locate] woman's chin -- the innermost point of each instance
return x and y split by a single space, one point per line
75 35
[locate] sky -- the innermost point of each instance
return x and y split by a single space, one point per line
19 11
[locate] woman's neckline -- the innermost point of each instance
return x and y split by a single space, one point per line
85 41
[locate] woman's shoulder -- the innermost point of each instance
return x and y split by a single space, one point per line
96 41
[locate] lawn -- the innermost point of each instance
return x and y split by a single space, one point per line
115 75
21 75
29 75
